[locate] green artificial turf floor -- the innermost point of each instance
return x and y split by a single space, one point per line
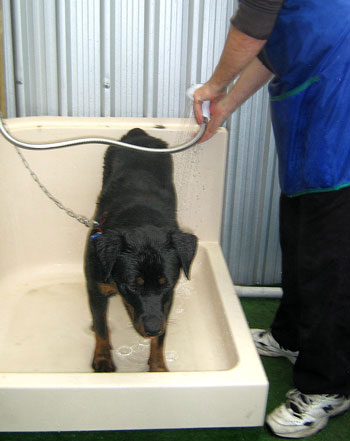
259 313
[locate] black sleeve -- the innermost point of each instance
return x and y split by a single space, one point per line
265 61
257 18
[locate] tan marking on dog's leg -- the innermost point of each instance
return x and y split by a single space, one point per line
103 361
107 289
156 360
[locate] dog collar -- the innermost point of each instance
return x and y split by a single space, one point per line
98 231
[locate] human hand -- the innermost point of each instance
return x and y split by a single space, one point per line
218 112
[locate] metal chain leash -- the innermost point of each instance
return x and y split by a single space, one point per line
82 219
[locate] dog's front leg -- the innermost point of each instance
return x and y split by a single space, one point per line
156 360
102 361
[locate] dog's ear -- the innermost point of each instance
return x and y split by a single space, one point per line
107 247
185 245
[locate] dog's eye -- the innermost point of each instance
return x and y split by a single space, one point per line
138 282
163 283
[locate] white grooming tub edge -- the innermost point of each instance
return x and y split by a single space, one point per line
46 383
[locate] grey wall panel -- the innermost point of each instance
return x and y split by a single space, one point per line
251 205
137 58
9 60
35 57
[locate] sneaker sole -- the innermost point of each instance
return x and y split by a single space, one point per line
317 427
267 353
302 433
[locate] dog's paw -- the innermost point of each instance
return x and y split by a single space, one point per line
103 363
154 367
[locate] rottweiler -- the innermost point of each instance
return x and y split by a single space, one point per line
138 249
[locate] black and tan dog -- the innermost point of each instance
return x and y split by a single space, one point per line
138 250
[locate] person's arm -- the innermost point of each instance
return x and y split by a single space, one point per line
240 49
251 27
253 77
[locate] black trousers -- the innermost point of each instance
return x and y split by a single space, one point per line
314 314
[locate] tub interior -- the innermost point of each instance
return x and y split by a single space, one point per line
46 325
46 319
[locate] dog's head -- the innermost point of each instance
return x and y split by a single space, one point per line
145 264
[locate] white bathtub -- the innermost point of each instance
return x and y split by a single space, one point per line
46 383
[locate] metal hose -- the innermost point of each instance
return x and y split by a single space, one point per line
79 141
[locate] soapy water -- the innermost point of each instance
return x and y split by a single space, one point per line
134 358
183 293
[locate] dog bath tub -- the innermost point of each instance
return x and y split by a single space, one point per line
46 344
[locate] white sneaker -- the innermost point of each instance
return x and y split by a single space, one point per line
268 346
304 415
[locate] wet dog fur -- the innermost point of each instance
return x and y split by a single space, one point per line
138 250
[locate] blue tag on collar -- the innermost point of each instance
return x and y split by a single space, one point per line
94 236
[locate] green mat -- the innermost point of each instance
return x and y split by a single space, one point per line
259 313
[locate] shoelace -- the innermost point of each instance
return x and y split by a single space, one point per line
271 341
299 403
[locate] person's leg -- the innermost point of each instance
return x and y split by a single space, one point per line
322 369
282 339
323 365
284 327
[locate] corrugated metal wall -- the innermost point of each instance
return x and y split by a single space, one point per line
137 58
